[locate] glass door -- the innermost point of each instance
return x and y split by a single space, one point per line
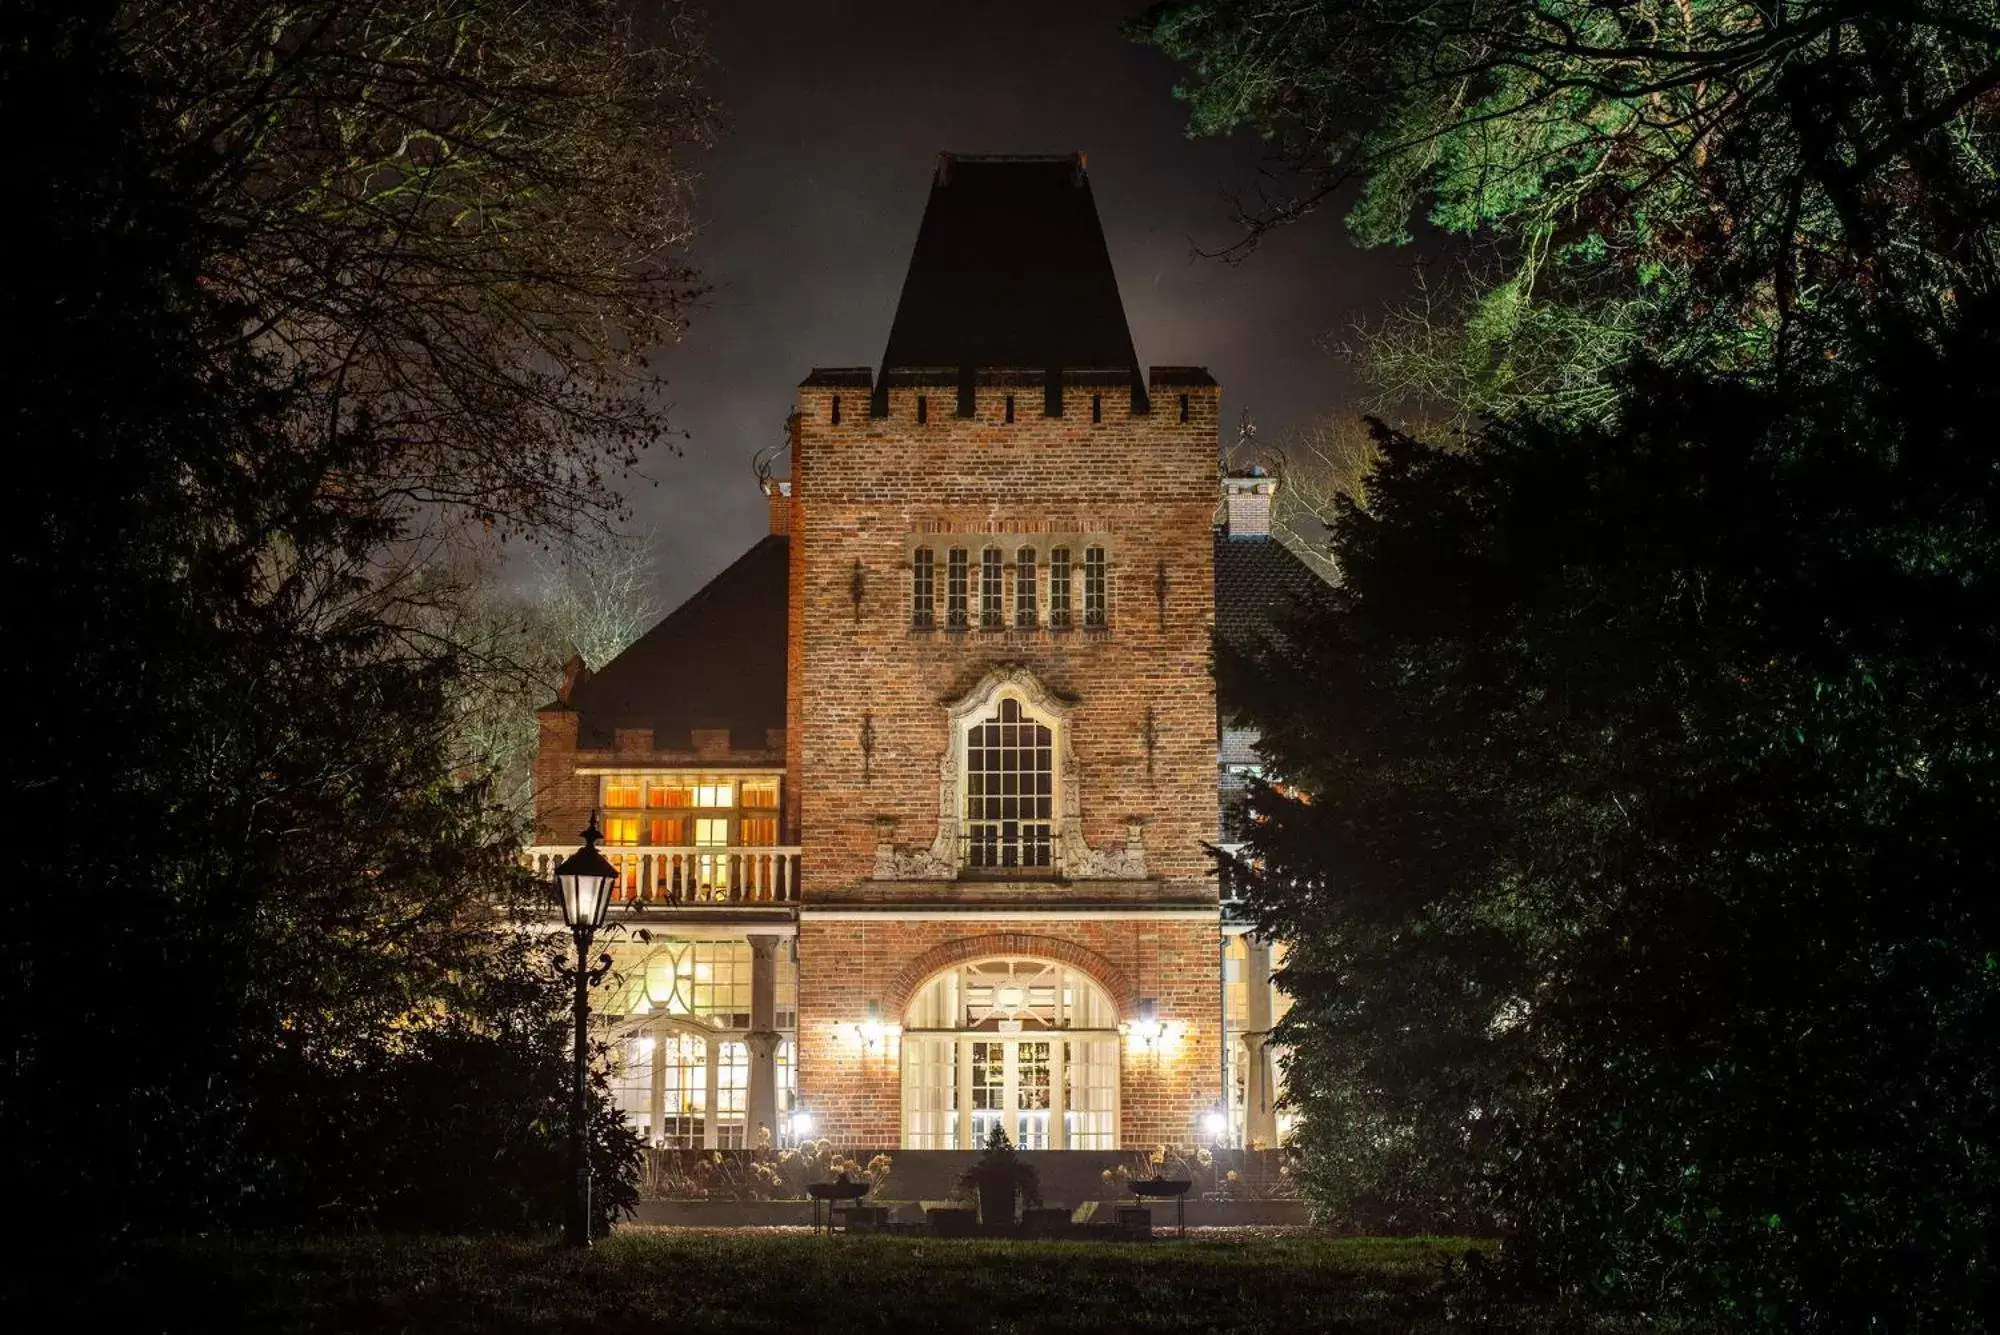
988 1089
1031 1093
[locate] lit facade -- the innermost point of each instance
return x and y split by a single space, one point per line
912 803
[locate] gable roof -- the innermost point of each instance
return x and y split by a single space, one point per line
717 660
1256 579
1010 270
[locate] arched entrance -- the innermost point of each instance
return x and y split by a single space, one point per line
1028 1045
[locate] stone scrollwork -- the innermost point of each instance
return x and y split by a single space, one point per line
1076 859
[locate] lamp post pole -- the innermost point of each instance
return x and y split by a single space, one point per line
577 1228
584 881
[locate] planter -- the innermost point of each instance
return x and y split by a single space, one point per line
996 1196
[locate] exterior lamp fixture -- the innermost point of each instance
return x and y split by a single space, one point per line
1215 1122
1146 1030
801 1125
584 882
872 1032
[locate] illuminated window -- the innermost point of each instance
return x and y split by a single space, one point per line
1059 588
1010 791
621 830
684 1106
757 831
1093 586
955 588
669 794
759 793
621 792
632 1082
668 832
732 1093
1022 1044
715 795
990 592
1024 588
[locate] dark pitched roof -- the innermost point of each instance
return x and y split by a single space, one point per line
717 660
1010 270
1255 578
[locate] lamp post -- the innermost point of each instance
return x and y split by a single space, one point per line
584 881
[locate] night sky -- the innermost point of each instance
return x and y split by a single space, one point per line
833 117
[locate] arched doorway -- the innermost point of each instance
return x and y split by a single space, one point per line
1024 1044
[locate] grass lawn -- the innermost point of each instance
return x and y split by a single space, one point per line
690 1282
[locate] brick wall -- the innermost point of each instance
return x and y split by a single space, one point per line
856 1096
862 487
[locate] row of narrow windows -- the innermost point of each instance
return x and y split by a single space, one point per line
984 592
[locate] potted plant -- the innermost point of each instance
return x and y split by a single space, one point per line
1001 1178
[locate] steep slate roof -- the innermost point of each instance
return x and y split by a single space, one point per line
1256 578
717 660
1010 270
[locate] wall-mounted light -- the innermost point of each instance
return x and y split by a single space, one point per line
800 1125
1215 1124
1145 1032
873 1033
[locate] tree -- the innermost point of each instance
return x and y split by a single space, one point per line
459 222
1629 819
1728 184
263 884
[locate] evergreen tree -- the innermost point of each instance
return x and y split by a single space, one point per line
1630 818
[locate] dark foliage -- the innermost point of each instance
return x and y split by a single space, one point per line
255 973
1635 842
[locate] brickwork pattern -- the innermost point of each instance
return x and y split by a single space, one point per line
1143 717
870 695
856 1096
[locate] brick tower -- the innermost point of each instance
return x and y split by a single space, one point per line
1000 721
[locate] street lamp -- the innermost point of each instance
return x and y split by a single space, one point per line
584 881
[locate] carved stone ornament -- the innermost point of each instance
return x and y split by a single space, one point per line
1076 860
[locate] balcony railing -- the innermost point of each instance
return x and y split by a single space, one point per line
666 877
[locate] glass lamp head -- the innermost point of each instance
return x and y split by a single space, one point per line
584 881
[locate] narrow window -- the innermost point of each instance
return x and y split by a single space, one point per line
1059 589
1024 588
1184 408
923 589
954 589
1093 586
923 408
1097 407
836 410
1010 407
989 589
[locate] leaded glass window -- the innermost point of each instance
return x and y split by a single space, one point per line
1010 791
954 588
1093 586
1024 588
1059 588
923 589
991 617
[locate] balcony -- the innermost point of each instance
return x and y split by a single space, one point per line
652 877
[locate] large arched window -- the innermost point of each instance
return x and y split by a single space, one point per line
1009 811
1022 1044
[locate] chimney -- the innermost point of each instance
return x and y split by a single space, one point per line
1246 499
779 496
